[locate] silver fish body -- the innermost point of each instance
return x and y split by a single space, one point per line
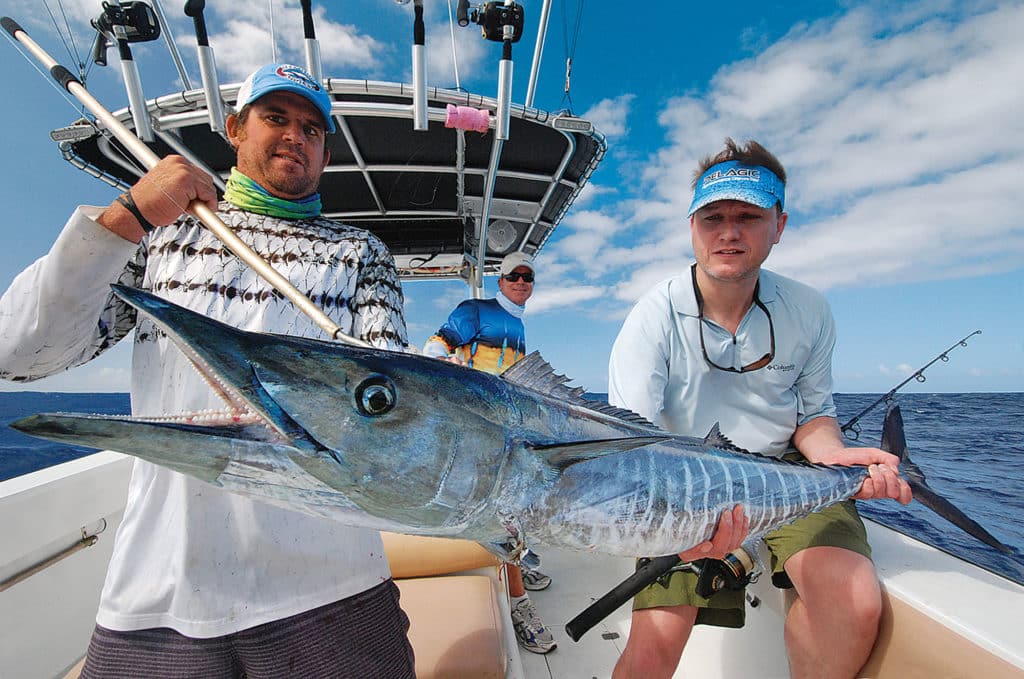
409 443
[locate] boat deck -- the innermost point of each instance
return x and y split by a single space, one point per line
576 581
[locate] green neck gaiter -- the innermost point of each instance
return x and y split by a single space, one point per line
248 195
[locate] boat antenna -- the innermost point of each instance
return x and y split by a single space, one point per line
207 66
852 429
172 47
538 51
451 29
420 123
148 158
273 34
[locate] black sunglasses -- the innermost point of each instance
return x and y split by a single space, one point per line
756 365
515 276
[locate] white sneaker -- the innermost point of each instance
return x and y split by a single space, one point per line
535 580
531 631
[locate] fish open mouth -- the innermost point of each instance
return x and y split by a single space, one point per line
240 414
249 412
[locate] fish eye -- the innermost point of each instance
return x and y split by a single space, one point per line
375 396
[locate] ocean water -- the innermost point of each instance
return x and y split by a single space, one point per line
970 447
21 454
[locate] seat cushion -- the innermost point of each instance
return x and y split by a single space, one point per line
455 627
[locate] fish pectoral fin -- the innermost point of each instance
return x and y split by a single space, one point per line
562 455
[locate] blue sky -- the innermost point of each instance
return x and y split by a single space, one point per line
899 124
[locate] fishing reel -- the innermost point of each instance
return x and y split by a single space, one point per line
493 17
138 20
733 572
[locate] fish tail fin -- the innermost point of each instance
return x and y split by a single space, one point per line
894 441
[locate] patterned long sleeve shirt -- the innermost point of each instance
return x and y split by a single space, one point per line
188 555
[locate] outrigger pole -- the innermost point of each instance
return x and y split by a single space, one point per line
148 158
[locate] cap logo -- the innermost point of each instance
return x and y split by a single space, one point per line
732 180
297 76
744 173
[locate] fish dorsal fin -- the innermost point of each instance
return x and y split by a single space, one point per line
533 372
716 439
562 455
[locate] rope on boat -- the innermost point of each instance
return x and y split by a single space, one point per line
570 51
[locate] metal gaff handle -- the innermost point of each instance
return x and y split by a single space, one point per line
148 159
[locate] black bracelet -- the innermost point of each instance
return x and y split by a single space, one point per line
128 202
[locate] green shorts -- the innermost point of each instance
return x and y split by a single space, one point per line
836 526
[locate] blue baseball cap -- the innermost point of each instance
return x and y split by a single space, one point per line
287 78
732 180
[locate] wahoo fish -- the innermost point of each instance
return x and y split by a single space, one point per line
412 444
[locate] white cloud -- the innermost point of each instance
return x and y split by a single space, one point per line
469 55
245 43
898 371
902 138
609 115
562 296
590 192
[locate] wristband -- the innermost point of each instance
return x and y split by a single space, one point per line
128 202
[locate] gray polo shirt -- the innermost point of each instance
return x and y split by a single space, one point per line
657 369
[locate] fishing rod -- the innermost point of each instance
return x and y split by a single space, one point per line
148 159
648 572
735 571
852 426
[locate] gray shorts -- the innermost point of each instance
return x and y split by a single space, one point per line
361 636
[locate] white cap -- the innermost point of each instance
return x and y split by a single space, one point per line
516 259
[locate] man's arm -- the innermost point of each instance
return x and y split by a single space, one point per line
460 328
161 196
59 312
821 441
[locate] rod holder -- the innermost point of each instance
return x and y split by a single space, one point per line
419 71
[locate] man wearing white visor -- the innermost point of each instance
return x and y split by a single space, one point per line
728 342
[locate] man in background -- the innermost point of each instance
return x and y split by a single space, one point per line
488 334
